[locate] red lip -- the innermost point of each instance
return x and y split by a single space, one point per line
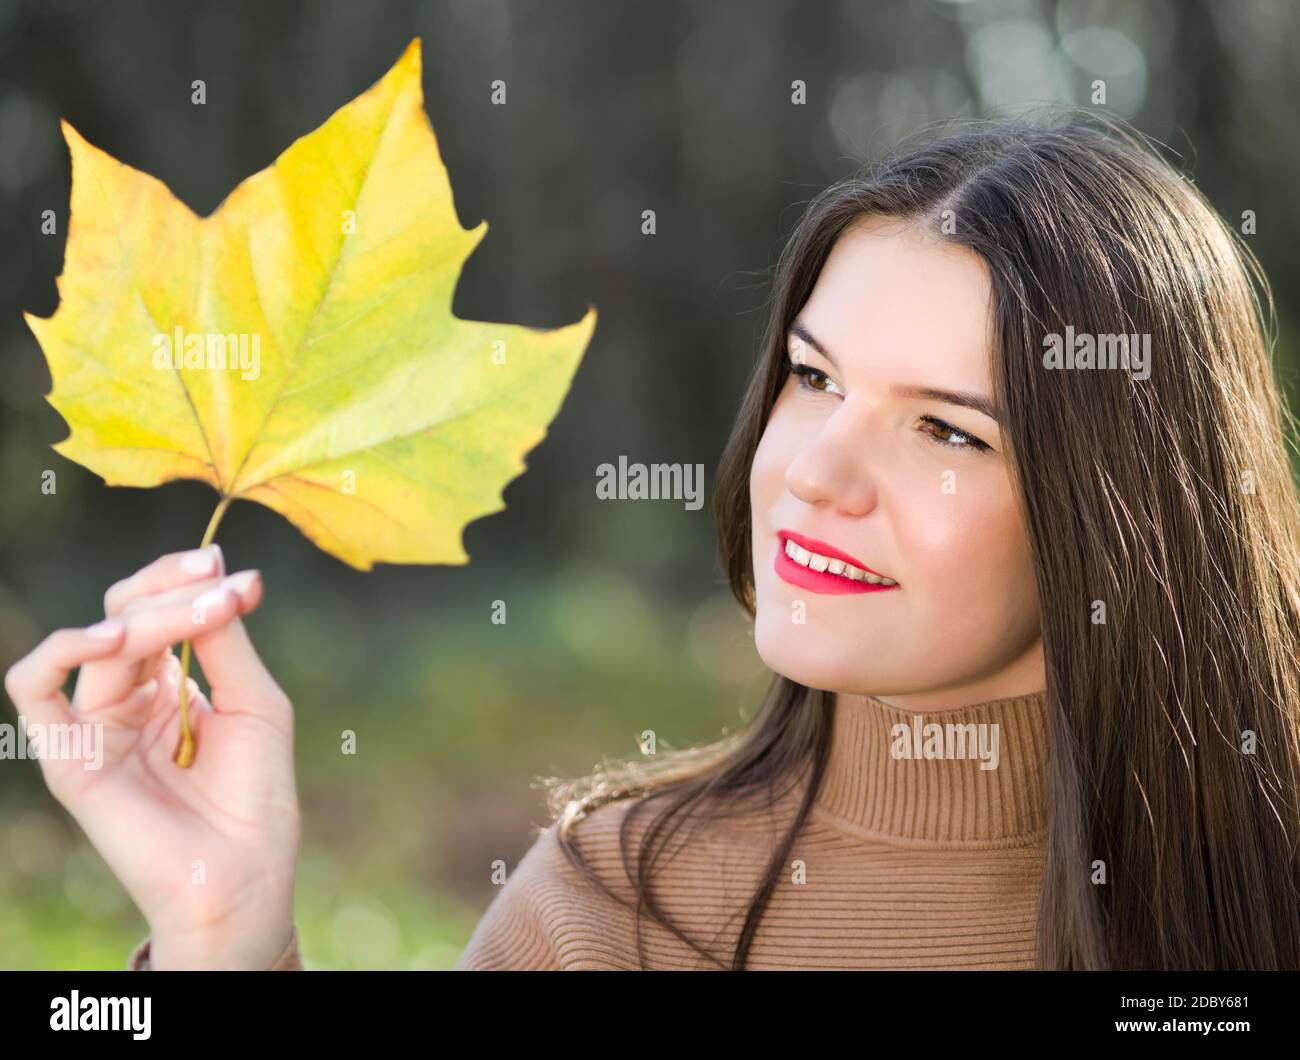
823 549
821 581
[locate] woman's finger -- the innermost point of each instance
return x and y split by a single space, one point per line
166 572
240 681
135 708
197 698
198 705
187 614
151 666
95 675
35 682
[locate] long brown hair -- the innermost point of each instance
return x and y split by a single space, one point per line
1174 725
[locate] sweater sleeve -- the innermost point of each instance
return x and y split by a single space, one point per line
290 960
517 933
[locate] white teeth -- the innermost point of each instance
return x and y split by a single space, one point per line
817 562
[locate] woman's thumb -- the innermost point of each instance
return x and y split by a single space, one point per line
239 680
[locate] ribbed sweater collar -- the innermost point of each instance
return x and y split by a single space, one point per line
946 802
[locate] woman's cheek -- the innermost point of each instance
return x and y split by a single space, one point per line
767 471
967 557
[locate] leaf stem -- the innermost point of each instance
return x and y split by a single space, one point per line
185 749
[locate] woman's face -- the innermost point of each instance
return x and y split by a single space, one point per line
859 461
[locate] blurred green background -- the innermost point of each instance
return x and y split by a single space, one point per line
619 619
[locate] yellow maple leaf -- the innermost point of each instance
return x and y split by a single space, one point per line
297 347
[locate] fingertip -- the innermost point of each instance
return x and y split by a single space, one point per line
107 631
248 588
245 580
211 600
199 561
196 696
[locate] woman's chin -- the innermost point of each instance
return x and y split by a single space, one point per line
812 661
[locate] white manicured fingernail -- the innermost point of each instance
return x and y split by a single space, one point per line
149 689
243 581
106 630
199 561
211 598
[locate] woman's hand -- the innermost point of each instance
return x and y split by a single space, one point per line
207 853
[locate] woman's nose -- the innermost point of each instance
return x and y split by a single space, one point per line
832 468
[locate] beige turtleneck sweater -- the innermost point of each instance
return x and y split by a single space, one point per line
914 863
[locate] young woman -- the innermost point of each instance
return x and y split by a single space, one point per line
1009 500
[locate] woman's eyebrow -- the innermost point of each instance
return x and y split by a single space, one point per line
950 397
798 328
978 402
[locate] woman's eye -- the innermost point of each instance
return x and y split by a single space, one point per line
946 434
811 379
